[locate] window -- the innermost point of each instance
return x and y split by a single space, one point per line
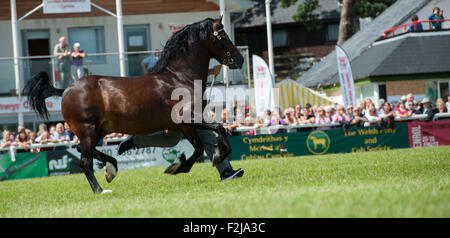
332 32
279 38
91 40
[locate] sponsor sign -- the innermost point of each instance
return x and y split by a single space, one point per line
429 134
174 27
60 162
25 165
319 142
14 105
143 157
264 92
345 77
66 6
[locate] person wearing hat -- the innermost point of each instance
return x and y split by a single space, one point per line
428 108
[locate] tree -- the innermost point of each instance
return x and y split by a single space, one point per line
351 11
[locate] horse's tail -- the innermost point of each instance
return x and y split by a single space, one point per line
38 88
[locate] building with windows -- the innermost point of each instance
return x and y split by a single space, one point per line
297 45
389 68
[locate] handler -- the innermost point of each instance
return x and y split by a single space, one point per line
173 136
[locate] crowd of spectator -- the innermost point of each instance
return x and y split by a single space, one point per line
57 133
363 115
366 114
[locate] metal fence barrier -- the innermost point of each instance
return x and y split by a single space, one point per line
288 128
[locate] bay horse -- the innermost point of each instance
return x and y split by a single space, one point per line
96 105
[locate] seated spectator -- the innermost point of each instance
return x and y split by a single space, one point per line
358 118
113 135
314 109
349 111
412 110
363 106
227 122
32 140
368 102
410 98
310 110
447 104
329 112
340 116
380 108
371 114
45 139
386 119
22 140
42 129
419 108
52 131
7 141
266 117
278 111
61 135
321 118
249 123
437 15
440 108
306 117
428 108
298 111
276 120
32 137
417 26
289 116
401 111
72 136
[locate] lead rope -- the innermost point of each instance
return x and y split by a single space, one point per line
209 97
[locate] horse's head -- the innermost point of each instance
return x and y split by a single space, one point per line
222 49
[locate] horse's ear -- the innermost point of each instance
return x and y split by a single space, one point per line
219 20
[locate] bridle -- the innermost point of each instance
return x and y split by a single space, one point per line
228 60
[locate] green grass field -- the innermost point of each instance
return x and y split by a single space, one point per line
398 183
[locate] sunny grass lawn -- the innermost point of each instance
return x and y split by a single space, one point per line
398 183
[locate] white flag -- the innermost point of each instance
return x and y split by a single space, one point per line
264 93
345 77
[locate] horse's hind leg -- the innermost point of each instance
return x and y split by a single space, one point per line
108 163
87 164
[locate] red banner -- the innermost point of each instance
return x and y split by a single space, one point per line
429 134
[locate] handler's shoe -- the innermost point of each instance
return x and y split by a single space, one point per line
230 174
128 144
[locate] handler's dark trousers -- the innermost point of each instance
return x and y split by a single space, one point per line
173 136
64 73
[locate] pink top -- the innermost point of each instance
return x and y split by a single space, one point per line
401 112
339 118
324 120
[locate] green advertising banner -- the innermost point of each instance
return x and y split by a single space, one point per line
26 165
319 142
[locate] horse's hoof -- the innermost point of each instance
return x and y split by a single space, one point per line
110 172
172 169
106 191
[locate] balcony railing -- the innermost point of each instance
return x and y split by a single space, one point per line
98 64
426 25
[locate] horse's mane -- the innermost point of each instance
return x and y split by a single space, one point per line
178 43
